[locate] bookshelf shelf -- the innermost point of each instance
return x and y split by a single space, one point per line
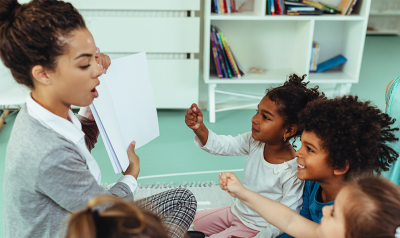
282 45
252 17
384 17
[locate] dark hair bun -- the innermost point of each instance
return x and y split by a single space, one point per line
7 10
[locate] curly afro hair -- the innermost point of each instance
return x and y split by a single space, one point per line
353 131
292 98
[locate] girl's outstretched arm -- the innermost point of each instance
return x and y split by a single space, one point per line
273 212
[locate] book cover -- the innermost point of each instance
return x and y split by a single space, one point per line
215 54
219 53
221 6
233 4
302 13
278 8
215 4
224 5
301 9
345 5
317 5
312 56
272 7
228 6
296 3
226 61
282 3
234 67
237 63
352 7
332 7
335 61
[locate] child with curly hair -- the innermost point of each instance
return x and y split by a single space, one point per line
342 138
368 207
270 168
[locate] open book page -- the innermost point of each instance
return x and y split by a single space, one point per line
125 110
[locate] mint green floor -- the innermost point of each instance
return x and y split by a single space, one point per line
174 151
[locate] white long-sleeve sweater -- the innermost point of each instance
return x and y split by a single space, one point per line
274 181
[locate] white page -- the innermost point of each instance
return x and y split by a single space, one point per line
107 117
111 153
129 82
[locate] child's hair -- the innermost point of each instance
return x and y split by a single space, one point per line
292 98
372 209
32 34
120 220
353 131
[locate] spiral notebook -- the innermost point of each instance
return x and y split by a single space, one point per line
125 110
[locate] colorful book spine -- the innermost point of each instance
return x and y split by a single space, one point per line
228 6
282 2
332 7
278 7
237 63
352 7
216 6
314 4
216 59
220 55
226 61
229 54
233 4
272 7
221 6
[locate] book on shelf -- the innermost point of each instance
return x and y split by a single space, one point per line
314 57
332 7
279 7
347 6
303 13
300 9
223 6
294 3
335 61
321 6
225 62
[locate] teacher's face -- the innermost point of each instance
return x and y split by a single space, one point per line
74 80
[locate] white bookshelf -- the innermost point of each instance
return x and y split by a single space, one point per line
282 45
384 17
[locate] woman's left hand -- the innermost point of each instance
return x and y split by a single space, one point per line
103 60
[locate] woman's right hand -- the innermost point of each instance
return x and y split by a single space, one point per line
134 163
230 182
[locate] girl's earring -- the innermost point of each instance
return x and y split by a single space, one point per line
284 139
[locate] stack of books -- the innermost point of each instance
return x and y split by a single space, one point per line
311 7
223 6
226 63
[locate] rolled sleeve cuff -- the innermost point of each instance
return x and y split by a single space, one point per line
200 145
131 182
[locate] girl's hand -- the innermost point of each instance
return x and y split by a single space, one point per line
194 117
134 163
103 60
230 182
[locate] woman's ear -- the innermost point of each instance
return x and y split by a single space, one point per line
343 170
290 131
39 74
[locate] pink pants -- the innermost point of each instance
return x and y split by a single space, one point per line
221 223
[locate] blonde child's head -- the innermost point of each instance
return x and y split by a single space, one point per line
368 207
120 219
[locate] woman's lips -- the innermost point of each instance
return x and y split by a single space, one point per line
95 93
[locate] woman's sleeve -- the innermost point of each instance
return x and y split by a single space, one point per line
226 145
65 178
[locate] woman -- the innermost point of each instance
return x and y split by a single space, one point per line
49 170
393 109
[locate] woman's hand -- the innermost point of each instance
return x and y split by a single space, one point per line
194 117
230 182
103 60
134 163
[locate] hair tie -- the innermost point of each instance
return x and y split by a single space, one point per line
397 234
